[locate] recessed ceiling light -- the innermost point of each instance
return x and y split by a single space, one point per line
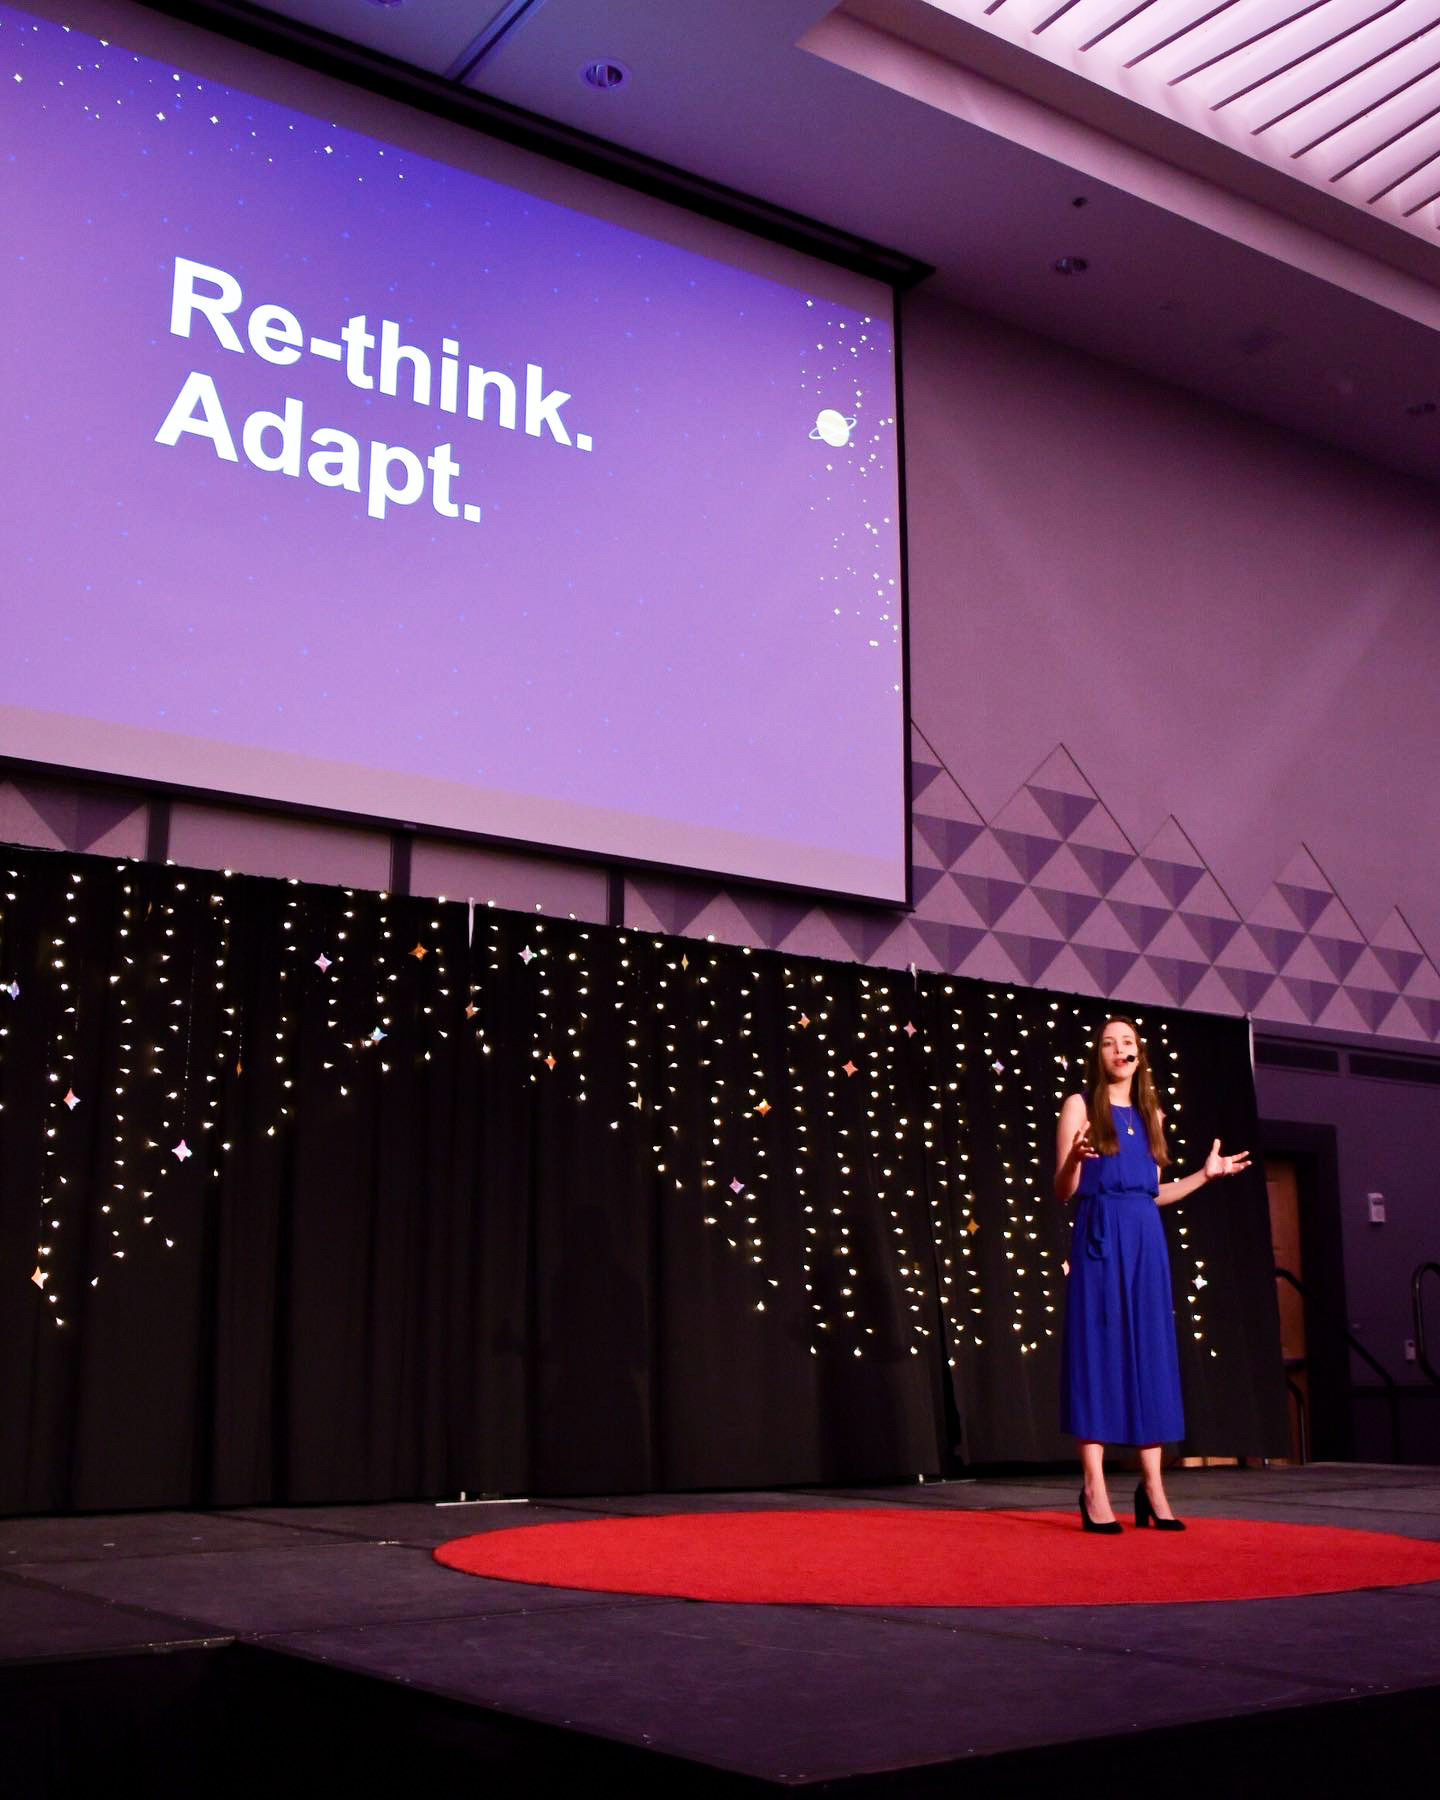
1070 265
606 75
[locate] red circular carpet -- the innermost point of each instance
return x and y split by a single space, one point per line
912 1557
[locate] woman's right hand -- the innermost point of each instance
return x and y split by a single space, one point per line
1081 1149
1072 1146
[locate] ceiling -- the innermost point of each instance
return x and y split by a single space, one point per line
1342 94
934 128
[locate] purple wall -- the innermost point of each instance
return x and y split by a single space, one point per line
1221 621
1385 1131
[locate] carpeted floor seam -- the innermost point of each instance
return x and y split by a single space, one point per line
314 1540
613 1603
1120 1652
127 1609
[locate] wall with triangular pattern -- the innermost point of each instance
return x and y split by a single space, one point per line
1049 893
1052 893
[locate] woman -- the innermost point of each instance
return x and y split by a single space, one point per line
1120 1376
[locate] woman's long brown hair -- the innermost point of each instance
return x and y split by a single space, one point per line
1142 1095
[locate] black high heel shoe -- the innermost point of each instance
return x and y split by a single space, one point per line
1145 1513
1112 1529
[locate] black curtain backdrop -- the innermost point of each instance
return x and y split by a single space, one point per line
320 1195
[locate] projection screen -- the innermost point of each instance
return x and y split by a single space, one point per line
353 460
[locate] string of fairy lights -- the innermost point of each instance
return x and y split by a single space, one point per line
60 1063
1168 1085
873 1149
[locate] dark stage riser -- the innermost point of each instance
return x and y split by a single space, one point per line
241 1720
314 1650
594 1211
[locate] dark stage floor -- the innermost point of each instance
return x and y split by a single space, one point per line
304 1649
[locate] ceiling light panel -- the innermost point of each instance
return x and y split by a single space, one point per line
427 34
1342 94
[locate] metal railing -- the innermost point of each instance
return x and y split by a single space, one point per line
1302 1405
1417 1307
1323 1316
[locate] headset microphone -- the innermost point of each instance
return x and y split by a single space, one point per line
1130 1058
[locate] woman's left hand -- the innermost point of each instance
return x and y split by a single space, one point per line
1218 1164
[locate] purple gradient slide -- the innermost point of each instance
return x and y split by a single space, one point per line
338 475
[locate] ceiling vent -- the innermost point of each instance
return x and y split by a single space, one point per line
1314 1057
1418 1070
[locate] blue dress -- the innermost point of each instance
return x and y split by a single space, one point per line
1119 1372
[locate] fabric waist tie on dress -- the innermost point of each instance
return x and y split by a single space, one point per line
1097 1221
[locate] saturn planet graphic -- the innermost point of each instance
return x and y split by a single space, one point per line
832 428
